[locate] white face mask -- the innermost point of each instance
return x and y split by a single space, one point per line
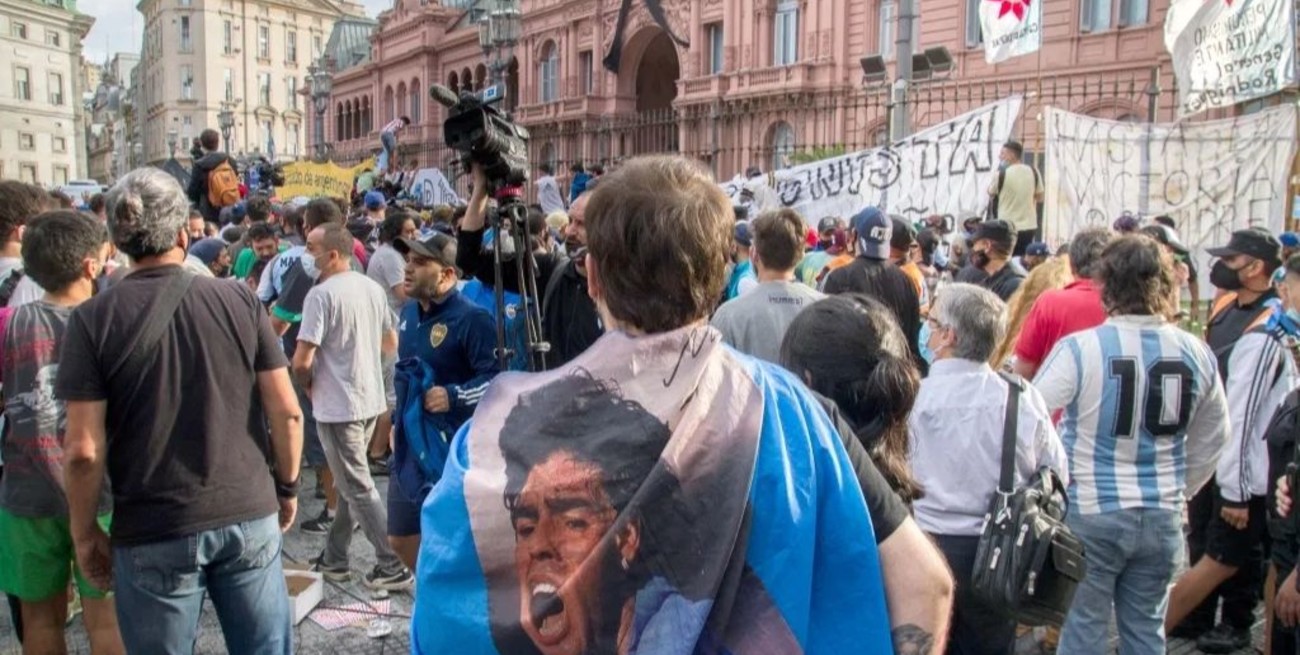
309 266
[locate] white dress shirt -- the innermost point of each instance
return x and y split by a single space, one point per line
956 444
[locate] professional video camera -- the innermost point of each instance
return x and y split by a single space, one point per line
484 136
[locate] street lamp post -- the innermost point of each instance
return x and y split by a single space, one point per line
226 121
172 137
498 33
321 85
137 154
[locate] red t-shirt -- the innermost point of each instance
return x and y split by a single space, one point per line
1056 315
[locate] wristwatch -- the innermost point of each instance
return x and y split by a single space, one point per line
287 490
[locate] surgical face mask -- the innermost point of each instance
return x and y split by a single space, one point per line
309 266
1225 277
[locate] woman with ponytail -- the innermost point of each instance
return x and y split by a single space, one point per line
849 349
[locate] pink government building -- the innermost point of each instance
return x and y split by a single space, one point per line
738 83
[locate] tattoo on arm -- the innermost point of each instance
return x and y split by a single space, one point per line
912 640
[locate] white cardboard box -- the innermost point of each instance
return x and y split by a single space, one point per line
306 589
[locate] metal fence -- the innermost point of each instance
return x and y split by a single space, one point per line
780 129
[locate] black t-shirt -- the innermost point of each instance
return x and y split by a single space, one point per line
1227 326
1005 282
188 448
569 317
886 508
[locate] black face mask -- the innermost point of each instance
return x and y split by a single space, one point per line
979 258
1224 277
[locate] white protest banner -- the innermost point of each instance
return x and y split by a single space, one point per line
1211 177
1230 51
945 169
1011 28
430 187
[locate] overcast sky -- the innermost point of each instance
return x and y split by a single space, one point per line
119 27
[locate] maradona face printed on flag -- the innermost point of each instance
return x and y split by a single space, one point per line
610 532
659 495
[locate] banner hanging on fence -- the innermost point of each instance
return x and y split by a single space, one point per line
1230 51
430 187
1212 177
945 169
1011 28
316 180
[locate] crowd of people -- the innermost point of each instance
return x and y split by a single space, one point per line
173 361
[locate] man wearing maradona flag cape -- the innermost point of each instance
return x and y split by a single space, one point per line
661 493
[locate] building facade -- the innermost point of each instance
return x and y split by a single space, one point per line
41 80
741 83
112 129
249 57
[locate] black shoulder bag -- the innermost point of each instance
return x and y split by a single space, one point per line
1028 562
156 321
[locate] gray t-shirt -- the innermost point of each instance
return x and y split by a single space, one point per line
32 486
388 268
346 316
755 322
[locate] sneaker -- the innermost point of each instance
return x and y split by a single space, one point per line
397 580
378 467
319 525
335 573
1223 639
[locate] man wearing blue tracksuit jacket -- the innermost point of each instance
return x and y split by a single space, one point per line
457 339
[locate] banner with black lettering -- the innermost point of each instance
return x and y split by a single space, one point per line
945 169
1211 177
1230 51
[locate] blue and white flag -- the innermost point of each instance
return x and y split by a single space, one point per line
658 495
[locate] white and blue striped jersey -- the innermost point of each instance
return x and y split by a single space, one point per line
1145 416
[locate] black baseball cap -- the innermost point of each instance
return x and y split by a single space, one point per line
904 234
438 246
999 232
828 224
1253 242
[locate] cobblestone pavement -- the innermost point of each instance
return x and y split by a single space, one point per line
308 637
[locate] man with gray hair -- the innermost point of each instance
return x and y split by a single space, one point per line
956 432
1061 312
171 381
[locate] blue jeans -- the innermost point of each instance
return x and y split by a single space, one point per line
389 142
159 590
1132 555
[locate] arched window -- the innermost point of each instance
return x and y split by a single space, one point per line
389 108
348 112
782 144
338 121
356 120
512 84
367 119
453 82
415 101
549 73
549 156
1129 118
480 77
401 99
466 79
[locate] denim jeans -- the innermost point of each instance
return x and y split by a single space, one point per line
1132 555
312 450
389 142
160 586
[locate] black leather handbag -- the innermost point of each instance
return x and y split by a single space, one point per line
1028 562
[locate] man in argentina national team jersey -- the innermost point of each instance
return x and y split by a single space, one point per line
1144 420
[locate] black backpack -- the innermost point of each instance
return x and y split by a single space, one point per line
1028 563
8 287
